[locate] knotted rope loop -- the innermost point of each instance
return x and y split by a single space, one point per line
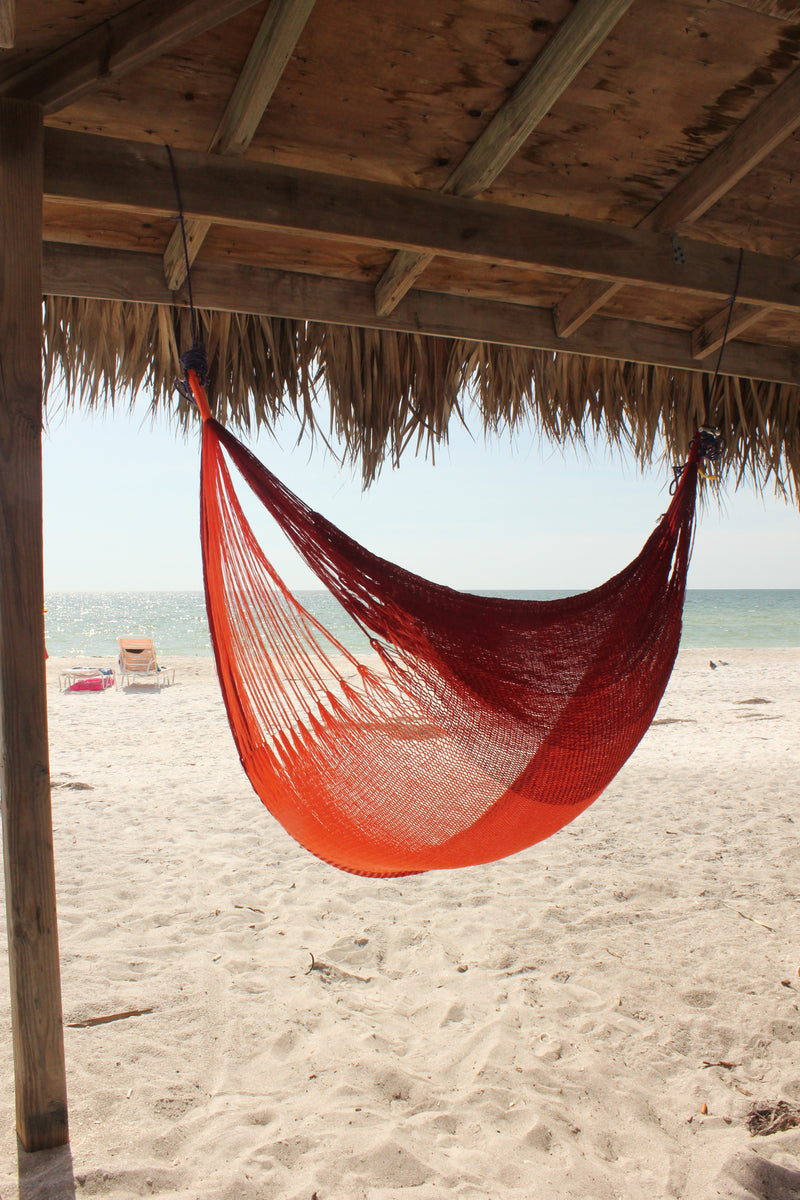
705 446
196 359
708 445
194 384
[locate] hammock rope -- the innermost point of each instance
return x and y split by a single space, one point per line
479 727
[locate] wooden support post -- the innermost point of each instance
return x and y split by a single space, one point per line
41 1094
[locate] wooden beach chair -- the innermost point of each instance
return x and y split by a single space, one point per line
138 663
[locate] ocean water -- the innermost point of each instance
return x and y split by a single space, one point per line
87 624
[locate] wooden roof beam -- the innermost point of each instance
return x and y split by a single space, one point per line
725 324
135 177
90 272
7 23
565 54
770 123
271 50
118 46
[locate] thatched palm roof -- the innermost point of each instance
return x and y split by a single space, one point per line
327 155
379 392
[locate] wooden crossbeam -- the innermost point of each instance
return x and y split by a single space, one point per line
585 299
271 50
118 46
36 1018
564 55
770 123
70 270
725 324
7 23
118 175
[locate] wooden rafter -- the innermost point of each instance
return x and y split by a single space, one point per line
566 53
79 271
7 23
725 324
127 176
775 119
118 46
271 50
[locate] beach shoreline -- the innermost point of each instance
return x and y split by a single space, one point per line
593 1017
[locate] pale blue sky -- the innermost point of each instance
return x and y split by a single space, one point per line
121 513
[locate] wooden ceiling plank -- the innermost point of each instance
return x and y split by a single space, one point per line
770 123
70 270
118 46
271 50
565 54
7 24
116 175
725 324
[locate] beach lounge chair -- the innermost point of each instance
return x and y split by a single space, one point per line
86 679
138 663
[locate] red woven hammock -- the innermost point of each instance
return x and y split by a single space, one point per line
486 725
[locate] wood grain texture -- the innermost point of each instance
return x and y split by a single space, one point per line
564 55
231 287
40 1079
274 45
117 175
400 91
585 299
726 324
7 23
770 123
117 47
780 10
271 50
774 120
180 251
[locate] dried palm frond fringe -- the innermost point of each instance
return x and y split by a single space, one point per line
379 392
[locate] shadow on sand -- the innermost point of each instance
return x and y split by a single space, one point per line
45 1175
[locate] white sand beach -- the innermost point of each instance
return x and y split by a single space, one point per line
593 1018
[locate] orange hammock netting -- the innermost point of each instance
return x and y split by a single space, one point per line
485 725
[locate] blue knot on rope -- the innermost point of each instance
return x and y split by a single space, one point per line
196 359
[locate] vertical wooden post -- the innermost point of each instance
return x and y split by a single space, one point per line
41 1094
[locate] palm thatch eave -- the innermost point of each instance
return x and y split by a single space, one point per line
379 392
